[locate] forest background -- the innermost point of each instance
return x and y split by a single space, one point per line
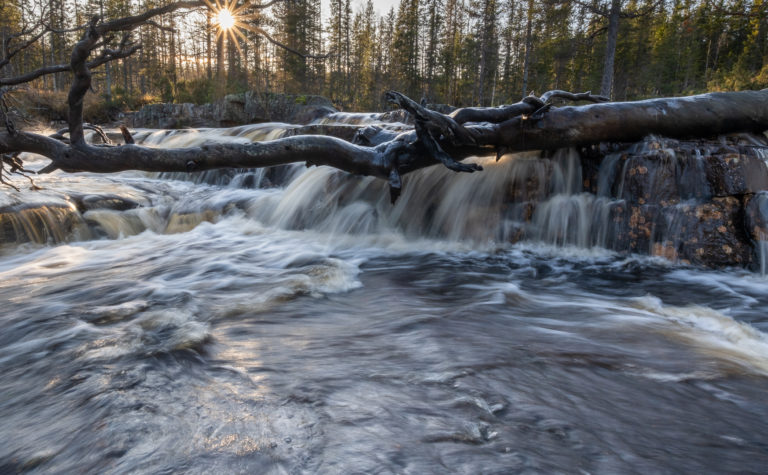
459 52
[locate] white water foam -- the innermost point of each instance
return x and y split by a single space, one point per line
711 332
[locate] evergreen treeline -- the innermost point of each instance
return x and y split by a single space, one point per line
462 52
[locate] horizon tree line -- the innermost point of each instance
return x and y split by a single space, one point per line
459 52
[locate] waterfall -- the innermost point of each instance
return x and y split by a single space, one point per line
41 224
654 197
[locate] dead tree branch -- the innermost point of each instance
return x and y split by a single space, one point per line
697 116
531 124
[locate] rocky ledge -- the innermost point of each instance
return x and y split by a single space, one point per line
236 109
696 202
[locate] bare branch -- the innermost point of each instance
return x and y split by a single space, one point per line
697 116
159 26
591 8
16 168
59 68
597 32
4 61
642 12
263 32
570 96
61 31
127 137
131 22
438 124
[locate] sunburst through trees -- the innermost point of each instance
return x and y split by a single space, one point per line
231 19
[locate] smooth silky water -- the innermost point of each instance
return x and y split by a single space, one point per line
296 322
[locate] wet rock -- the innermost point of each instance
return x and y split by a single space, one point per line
756 215
311 113
710 234
630 227
591 160
171 116
102 201
736 173
662 177
40 223
521 212
531 180
650 179
756 225
398 115
183 222
695 201
114 224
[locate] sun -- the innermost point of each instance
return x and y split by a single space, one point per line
225 19
231 19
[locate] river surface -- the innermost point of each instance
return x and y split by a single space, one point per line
307 326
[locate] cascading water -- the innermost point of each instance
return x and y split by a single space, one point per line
761 236
297 322
522 196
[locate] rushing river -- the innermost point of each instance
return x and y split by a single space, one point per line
293 321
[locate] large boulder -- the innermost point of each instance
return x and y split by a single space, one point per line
736 173
710 234
697 201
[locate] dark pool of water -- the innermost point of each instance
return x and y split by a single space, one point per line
230 349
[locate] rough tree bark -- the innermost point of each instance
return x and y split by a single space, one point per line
606 83
533 123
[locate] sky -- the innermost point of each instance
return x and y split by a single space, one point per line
381 6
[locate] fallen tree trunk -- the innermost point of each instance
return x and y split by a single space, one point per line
536 127
533 123
701 116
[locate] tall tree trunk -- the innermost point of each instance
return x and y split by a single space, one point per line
53 22
221 86
528 46
172 53
4 51
208 50
606 85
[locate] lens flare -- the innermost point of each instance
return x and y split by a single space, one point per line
225 19
233 20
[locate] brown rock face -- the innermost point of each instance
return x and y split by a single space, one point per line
710 234
697 202
756 215
531 180
734 174
633 227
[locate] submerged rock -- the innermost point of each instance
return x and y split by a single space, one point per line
50 217
632 227
40 223
102 201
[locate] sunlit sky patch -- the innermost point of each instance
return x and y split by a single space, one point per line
381 6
